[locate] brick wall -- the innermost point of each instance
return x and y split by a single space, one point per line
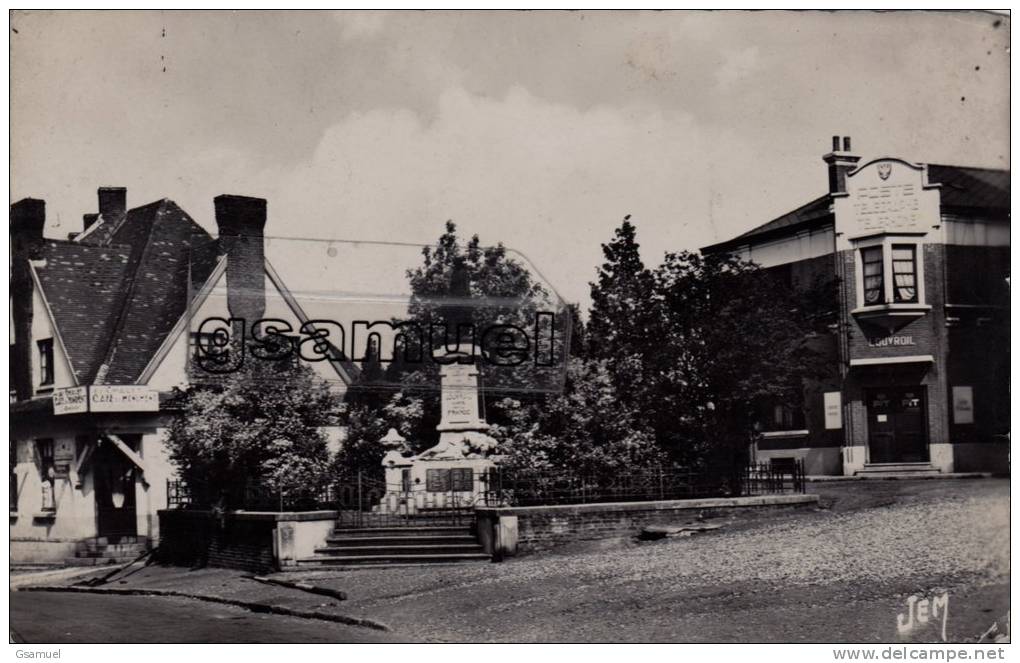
544 527
199 538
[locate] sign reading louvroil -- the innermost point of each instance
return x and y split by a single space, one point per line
105 398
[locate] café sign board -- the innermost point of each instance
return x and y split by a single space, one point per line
106 398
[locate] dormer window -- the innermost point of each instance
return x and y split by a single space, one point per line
45 362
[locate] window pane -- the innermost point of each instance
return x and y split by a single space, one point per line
874 288
904 274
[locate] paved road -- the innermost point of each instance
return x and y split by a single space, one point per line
58 618
843 573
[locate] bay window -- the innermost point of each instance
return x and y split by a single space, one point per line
889 273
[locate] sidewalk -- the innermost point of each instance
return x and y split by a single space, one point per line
211 584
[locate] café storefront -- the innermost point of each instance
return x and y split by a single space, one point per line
88 463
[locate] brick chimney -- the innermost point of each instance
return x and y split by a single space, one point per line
241 221
840 162
112 201
28 216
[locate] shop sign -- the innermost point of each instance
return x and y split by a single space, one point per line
833 410
890 341
123 398
105 398
963 405
71 400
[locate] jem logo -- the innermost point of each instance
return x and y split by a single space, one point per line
922 611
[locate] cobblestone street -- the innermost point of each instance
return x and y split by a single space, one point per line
840 573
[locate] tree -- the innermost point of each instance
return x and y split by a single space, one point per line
586 429
617 323
728 338
503 288
467 283
258 426
367 423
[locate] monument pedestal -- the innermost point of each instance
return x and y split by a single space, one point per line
452 474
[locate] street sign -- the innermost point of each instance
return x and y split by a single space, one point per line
71 400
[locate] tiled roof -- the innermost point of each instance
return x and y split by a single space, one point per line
971 188
962 188
118 292
84 287
816 211
161 235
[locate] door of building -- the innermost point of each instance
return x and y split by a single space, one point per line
898 425
114 474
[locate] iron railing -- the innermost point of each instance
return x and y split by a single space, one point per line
772 478
365 500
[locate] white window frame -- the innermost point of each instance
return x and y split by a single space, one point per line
887 242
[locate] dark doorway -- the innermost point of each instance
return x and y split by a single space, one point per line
898 425
114 474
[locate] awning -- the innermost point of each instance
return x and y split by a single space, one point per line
886 361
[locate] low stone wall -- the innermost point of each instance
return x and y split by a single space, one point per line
246 540
28 550
508 530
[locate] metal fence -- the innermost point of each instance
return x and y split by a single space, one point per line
772 478
538 488
250 496
366 500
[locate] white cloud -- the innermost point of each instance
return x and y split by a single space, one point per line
737 65
547 179
360 24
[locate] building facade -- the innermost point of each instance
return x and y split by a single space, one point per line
103 327
917 257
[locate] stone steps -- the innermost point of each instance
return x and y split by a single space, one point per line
98 561
397 546
415 540
387 549
102 551
391 558
904 469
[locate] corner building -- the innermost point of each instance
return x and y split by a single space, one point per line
917 375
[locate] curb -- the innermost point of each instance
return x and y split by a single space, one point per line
254 607
303 586
900 476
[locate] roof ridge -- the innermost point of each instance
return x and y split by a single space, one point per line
98 247
946 165
813 201
111 348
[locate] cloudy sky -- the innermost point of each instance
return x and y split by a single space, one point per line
540 130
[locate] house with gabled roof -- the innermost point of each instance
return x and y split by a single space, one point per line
103 328
917 377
